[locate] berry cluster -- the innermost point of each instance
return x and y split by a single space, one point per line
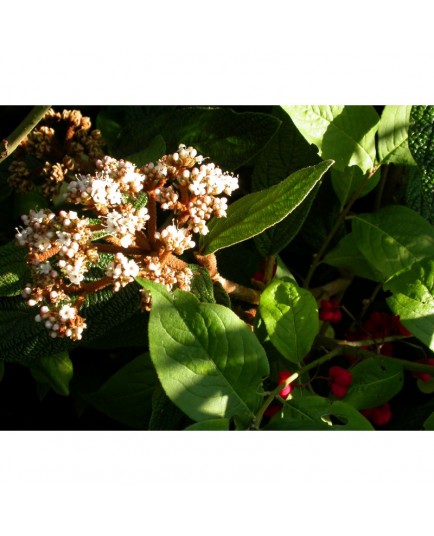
329 311
123 202
340 380
379 416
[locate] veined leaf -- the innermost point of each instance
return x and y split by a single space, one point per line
393 136
290 314
208 361
252 214
210 425
345 134
155 150
375 381
346 183
413 299
14 273
311 413
393 238
421 144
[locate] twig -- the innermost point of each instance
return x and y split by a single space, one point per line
23 129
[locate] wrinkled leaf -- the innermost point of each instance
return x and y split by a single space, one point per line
413 299
208 361
154 151
14 273
375 381
290 314
230 139
345 134
393 136
312 412
253 213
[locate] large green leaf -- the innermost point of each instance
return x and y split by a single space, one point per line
286 153
347 256
290 314
14 273
155 150
127 396
345 134
393 238
313 412
413 299
228 138
208 361
210 425
347 182
393 136
375 381
165 415
253 213
53 370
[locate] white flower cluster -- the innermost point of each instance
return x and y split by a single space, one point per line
62 248
193 187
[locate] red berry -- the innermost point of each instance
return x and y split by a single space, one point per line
338 390
329 311
272 409
340 376
282 377
424 376
379 416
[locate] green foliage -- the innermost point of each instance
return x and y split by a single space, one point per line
314 413
413 299
231 138
345 134
358 239
252 214
290 314
127 395
14 273
375 381
208 361
56 371
393 136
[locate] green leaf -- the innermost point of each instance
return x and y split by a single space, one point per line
413 299
393 136
346 183
14 273
421 144
345 134
208 361
429 423
53 370
202 285
126 397
314 412
277 237
230 139
109 123
221 425
393 238
290 314
347 256
155 150
415 197
25 201
253 213
375 381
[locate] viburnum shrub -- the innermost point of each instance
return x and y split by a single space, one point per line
206 268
